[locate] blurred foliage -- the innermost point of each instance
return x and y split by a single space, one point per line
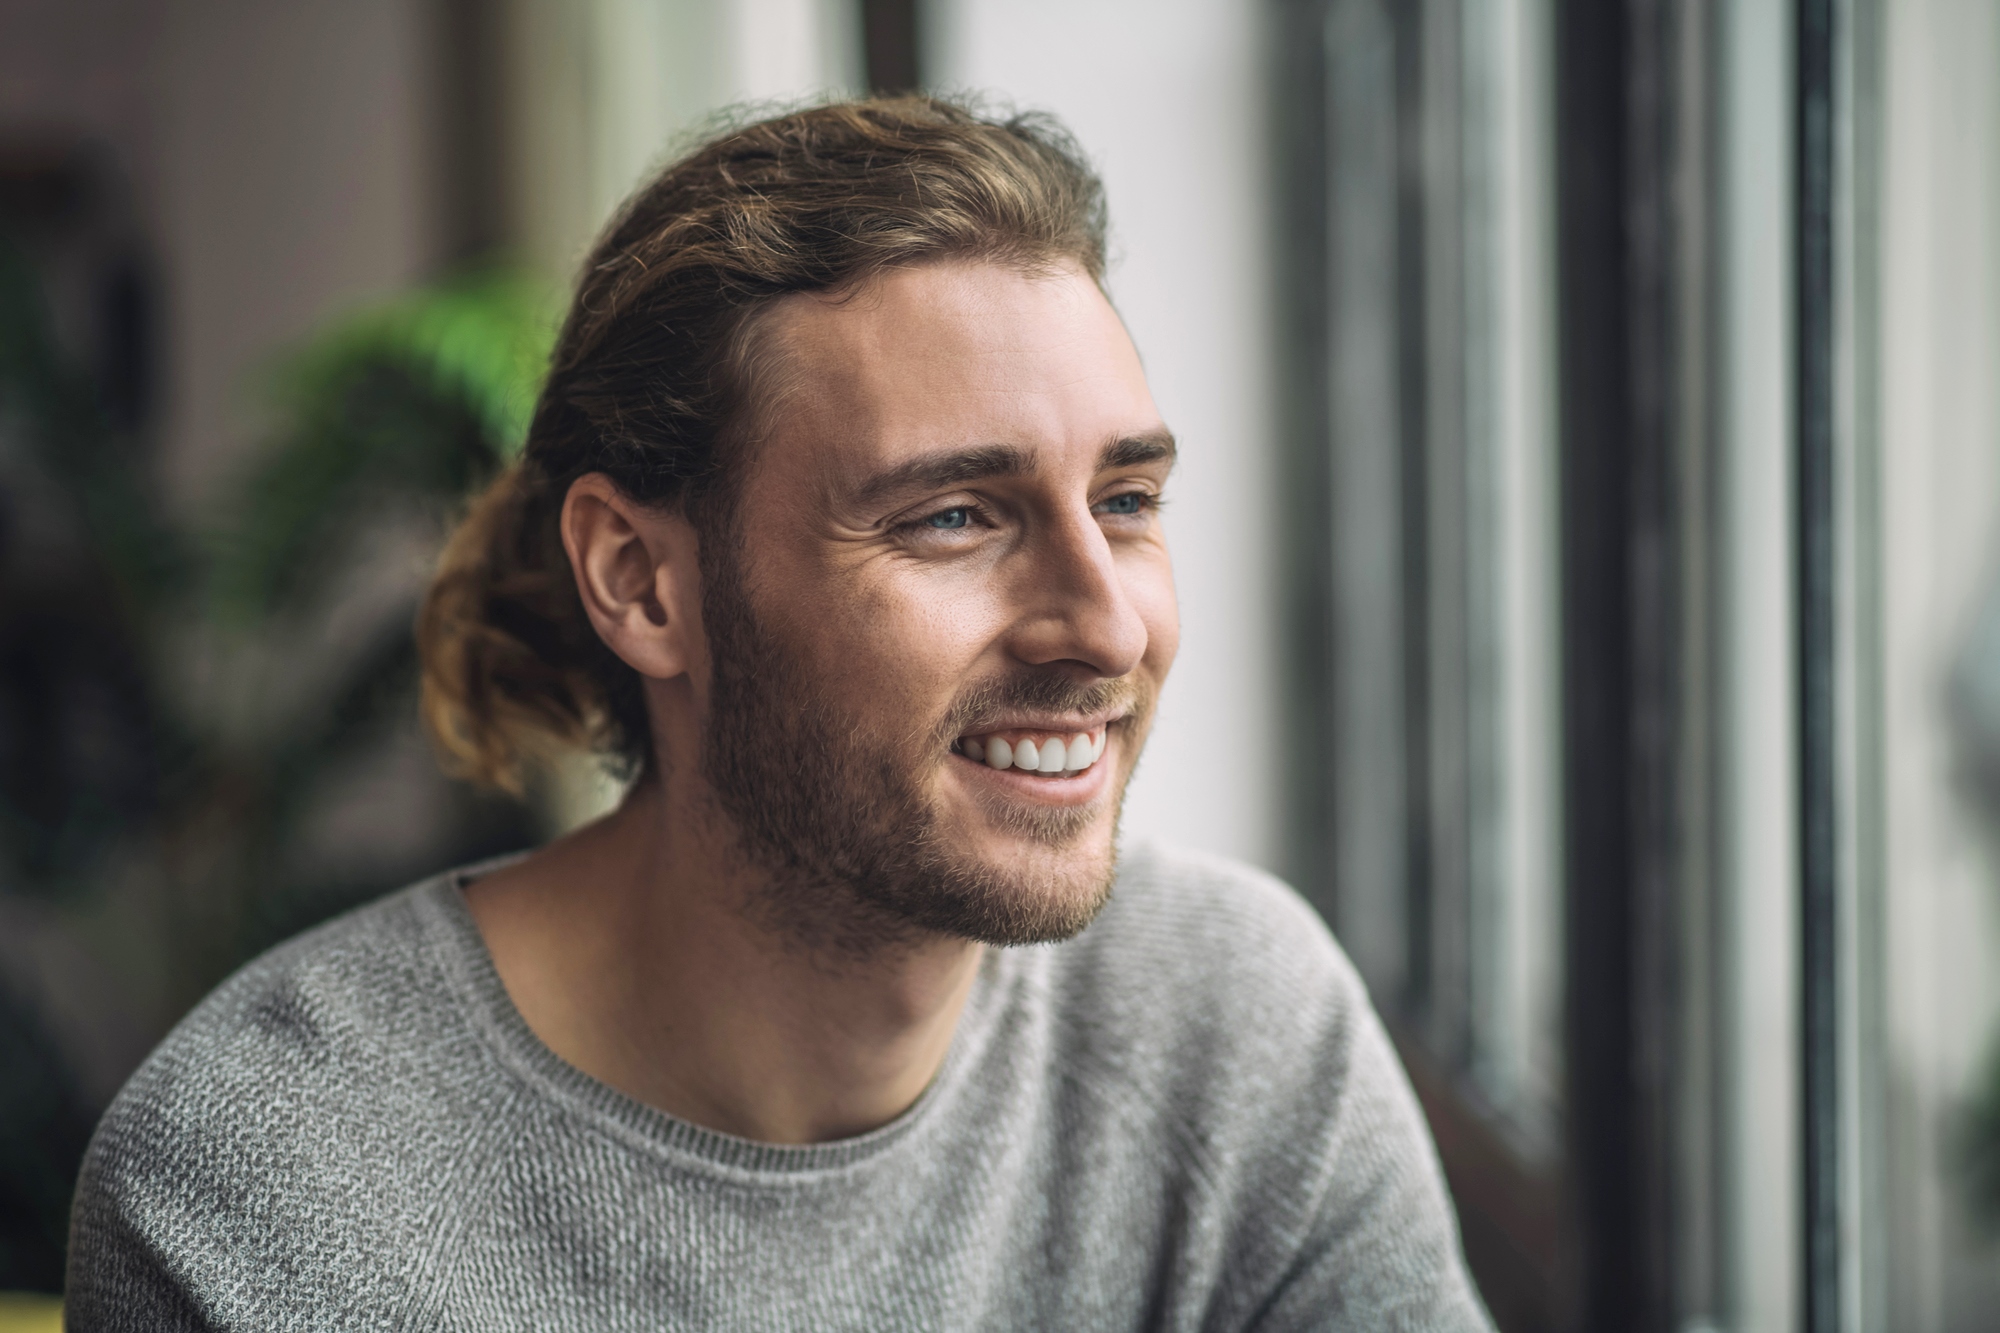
423 396
397 412
175 692
81 737
43 1130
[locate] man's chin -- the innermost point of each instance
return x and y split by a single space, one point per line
1023 893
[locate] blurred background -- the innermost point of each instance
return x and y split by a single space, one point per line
1586 538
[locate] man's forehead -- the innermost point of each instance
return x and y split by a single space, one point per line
941 307
967 367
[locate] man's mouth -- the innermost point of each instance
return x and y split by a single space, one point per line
1046 753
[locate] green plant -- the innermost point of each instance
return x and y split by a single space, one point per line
178 698
422 396
391 417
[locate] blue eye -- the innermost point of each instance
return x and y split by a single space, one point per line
947 519
1131 502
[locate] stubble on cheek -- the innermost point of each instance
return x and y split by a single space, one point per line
826 752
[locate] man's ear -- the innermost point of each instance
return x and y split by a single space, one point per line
638 572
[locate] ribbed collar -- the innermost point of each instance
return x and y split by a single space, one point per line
453 939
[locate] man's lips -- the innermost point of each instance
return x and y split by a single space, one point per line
1047 747
1071 787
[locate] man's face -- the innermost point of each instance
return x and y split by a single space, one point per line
945 549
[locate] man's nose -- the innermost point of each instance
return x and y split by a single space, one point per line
1075 604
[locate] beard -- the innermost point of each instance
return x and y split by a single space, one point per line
853 848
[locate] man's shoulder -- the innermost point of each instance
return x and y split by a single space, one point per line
1164 890
1203 976
327 1082
1209 1016
1212 936
356 992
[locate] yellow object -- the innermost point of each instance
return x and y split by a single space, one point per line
23 1313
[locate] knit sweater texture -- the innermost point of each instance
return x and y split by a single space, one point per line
1187 1117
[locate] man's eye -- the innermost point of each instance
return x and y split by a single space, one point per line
947 519
1131 502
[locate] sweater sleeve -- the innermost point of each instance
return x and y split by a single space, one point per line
1221 1003
270 1165
118 1278
1381 1251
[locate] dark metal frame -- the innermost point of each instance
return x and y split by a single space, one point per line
892 45
1302 229
1620 644
1819 882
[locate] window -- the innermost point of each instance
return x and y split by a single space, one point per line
1646 456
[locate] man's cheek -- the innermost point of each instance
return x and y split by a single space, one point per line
899 679
1161 613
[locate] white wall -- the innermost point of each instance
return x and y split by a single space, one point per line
294 177
1167 96
602 91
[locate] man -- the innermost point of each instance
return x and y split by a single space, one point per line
839 526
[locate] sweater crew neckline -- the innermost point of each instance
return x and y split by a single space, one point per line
455 943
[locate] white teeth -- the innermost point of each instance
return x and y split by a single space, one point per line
1054 754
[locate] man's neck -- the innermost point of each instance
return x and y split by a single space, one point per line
630 950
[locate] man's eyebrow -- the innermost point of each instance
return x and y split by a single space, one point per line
1137 450
936 472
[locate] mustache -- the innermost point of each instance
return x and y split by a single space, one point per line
1041 690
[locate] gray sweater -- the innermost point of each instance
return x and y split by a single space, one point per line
1185 1118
